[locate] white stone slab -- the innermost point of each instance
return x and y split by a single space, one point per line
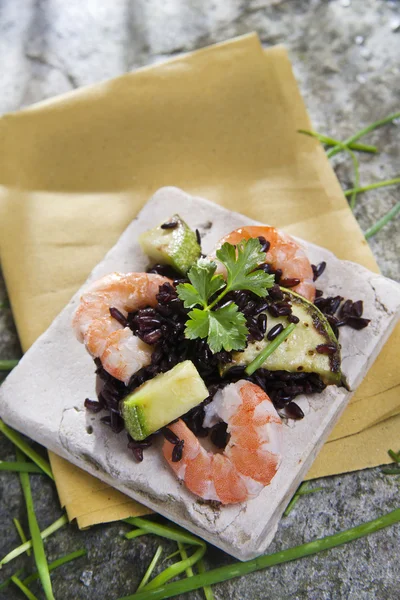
43 396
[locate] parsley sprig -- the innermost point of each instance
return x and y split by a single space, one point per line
224 326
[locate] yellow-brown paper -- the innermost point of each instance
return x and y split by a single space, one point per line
220 123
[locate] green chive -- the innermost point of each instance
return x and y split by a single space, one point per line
328 141
166 531
8 365
268 350
37 542
184 556
56 563
23 588
172 533
301 489
238 569
150 568
18 467
373 186
135 533
21 533
176 569
44 534
18 441
395 456
391 470
363 132
8 581
208 593
382 221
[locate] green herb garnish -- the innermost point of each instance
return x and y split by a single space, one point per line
20 466
43 534
23 588
383 221
328 141
37 542
8 365
362 132
21 532
239 569
18 441
268 350
150 568
373 186
225 326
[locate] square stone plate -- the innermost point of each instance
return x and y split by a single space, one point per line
43 396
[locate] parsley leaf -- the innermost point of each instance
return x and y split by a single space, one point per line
240 268
223 326
227 329
198 324
204 284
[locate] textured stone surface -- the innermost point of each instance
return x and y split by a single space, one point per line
50 46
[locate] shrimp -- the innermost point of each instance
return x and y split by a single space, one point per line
284 253
251 457
120 351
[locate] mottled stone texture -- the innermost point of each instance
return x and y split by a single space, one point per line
345 56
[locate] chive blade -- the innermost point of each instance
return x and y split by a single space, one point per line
167 531
44 534
150 568
18 441
328 141
184 556
301 489
176 569
135 533
56 563
18 467
37 542
373 186
391 470
8 365
395 456
268 350
383 221
362 132
208 593
239 569
21 533
8 581
23 588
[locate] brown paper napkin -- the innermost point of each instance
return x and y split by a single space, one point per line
220 123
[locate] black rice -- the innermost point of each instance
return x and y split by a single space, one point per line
116 314
274 332
170 436
318 269
170 224
177 452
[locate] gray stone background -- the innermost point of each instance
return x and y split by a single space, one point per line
345 55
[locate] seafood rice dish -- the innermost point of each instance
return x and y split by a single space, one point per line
208 353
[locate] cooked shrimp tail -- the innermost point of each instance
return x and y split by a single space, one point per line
251 457
283 253
121 352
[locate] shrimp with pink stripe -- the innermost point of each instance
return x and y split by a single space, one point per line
121 352
253 453
283 252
